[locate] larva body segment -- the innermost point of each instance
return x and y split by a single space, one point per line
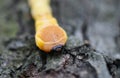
48 32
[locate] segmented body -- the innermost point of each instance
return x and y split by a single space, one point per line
48 32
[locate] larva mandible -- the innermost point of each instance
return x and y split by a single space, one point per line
49 34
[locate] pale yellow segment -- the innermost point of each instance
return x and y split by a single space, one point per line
32 2
40 9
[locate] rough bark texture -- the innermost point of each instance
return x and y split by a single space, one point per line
92 50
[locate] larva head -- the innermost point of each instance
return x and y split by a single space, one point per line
50 38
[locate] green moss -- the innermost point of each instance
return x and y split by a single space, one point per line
8 27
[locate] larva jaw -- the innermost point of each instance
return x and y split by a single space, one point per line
57 48
48 41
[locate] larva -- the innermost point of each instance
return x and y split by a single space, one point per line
49 35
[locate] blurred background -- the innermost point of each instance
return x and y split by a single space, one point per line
94 21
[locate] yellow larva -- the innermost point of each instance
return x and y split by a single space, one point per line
48 32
